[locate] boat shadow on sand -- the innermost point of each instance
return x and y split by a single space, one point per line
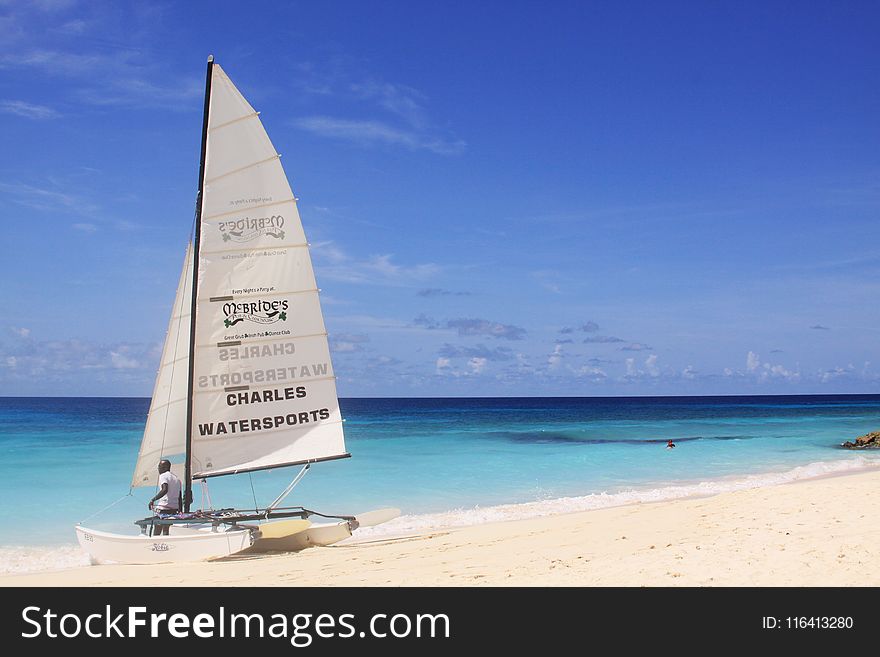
251 555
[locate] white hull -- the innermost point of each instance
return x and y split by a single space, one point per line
104 547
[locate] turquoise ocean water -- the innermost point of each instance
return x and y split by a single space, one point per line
443 462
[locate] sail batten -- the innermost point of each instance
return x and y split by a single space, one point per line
304 245
250 207
238 343
219 126
255 294
159 407
243 168
181 358
262 386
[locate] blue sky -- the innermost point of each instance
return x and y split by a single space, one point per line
511 198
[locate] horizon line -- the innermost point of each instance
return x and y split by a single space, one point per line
802 394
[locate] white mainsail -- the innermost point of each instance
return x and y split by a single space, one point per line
264 393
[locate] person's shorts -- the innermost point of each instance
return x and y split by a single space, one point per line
166 512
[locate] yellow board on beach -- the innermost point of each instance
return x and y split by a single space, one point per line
282 528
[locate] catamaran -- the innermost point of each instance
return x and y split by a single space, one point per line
245 382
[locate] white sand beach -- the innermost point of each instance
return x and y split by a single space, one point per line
820 532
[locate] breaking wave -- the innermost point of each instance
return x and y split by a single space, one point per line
462 517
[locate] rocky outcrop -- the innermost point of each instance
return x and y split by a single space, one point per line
867 441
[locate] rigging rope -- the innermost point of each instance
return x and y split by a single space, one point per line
106 507
256 506
206 495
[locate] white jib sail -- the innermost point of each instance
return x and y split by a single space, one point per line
165 432
264 389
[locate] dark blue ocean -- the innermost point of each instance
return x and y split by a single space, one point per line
441 461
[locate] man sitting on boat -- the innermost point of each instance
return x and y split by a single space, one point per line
167 500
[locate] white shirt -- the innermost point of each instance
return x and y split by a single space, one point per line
173 493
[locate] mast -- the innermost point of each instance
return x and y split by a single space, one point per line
187 495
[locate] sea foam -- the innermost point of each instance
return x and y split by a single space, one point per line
408 524
18 560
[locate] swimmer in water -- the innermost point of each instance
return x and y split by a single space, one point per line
670 444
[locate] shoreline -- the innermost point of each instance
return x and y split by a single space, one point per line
646 494
812 534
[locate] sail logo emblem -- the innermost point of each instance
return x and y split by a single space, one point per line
259 312
249 229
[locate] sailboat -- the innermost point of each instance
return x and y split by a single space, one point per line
245 382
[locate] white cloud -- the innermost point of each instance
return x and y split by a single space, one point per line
74 27
479 351
651 369
474 367
778 371
131 89
334 264
402 119
367 132
115 78
330 252
764 371
752 361
348 342
64 360
596 373
343 347
48 199
381 264
396 98
121 361
86 228
477 365
68 64
28 110
836 373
